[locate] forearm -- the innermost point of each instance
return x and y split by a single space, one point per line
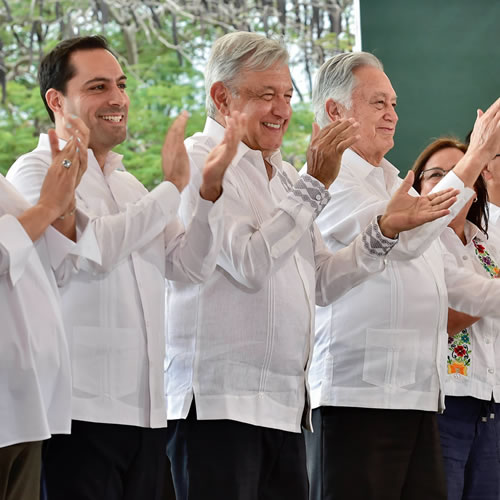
253 250
36 219
470 167
191 253
337 273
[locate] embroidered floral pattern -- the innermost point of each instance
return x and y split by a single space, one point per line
485 259
459 346
459 349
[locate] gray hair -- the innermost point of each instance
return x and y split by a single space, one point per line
236 51
335 80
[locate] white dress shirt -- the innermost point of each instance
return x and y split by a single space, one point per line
383 344
35 373
473 356
114 313
244 348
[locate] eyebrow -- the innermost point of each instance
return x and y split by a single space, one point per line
383 94
439 168
269 87
103 79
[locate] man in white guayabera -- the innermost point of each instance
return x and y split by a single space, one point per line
379 349
237 361
114 313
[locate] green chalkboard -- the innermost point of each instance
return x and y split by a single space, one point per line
443 59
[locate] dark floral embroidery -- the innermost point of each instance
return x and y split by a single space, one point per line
459 349
459 346
485 259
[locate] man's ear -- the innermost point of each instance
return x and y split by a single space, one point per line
333 109
221 96
54 100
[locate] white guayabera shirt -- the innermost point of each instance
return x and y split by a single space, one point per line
383 344
115 313
243 349
35 372
473 356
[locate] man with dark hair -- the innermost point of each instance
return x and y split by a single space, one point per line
114 313
56 69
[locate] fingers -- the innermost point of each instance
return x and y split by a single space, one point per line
315 131
442 196
77 129
336 136
177 130
409 179
54 142
234 131
70 152
407 184
430 216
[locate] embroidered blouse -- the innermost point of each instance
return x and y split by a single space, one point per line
473 357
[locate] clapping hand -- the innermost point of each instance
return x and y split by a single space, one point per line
405 211
219 159
324 154
175 161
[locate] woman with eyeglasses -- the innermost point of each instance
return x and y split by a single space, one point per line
470 426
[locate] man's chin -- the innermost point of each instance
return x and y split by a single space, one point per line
111 140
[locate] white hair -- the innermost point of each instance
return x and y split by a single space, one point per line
239 51
336 80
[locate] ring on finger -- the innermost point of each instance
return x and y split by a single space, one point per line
66 163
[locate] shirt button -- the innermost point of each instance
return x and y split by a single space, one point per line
464 257
490 370
487 340
318 197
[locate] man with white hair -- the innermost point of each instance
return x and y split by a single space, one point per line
379 349
237 363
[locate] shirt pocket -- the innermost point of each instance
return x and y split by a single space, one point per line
390 357
105 361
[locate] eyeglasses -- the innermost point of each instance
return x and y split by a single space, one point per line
433 174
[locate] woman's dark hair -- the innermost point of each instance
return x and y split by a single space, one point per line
478 212
55 69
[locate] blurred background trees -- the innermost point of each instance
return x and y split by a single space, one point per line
162 46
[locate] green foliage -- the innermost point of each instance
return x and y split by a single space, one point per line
298 134
162 84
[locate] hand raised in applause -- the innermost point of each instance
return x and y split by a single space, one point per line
219 159
174 158
58 189
324 154
405 212
485 137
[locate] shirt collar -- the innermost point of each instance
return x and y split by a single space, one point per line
472 231
113 160
364 168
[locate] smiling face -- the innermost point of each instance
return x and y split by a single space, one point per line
373 107
264 96
97 95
